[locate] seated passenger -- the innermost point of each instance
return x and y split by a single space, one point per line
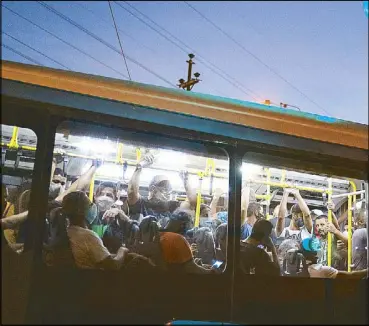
87 248
253 257
221 242
177 254
301 225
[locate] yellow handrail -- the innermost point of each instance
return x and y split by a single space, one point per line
286 185
349 231
353 185
92 188
268 193
138 154
119 158
198 200
329 249
14 140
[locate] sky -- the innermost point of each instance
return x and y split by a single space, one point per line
313 55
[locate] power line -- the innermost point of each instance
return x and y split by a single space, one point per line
51 9
201 59
76 3
63 41
255 57
30 47
22 55
120 43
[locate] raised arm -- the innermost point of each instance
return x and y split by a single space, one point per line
282 212
12 222
308 222
245 200
214 202
332 206
190 192
81 183
134 183
114 262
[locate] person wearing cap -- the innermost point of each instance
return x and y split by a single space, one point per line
301 225
157 202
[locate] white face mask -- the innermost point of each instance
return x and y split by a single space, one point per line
104 203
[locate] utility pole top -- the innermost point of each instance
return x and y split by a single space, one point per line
190 83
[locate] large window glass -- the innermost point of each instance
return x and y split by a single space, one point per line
18 147
302 225
134 201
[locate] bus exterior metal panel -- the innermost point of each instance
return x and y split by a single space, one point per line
269 118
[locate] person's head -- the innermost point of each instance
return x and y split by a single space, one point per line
105 196
311 257
204 210
360 218
315 213
321 225
261 230
77 207
180 222
159 189
286 246
255 209
297 216
57 184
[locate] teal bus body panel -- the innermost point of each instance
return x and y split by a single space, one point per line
171 119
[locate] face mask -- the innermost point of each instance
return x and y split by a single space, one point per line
161 193
54 190
91 214
299 222
104 203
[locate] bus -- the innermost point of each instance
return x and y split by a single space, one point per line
224 146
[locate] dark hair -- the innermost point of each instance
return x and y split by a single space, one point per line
252 208
261 229
106 184
74 205
295 209
59 171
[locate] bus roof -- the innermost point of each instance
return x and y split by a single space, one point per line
248 114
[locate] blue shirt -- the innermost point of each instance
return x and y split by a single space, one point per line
245 231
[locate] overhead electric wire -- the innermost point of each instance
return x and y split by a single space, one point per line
77 3
256 57
65 42
51 9
200 58
22 55
120 43
30 47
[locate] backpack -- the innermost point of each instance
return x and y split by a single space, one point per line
148 243
57 250
292 264
204 240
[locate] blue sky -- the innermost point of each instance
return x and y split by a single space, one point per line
321 48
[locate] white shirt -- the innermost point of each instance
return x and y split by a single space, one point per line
87 248
303 233
320 271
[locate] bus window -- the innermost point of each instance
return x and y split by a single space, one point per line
126 195
302 225
18 146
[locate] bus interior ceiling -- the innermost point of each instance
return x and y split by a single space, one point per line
79 151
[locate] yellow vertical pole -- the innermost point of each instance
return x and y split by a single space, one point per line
119 159
138 154
268 193
353 186
329 249
283 176
349 244
14 141
92 187
198 201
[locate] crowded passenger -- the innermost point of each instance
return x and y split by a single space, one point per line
360 240
254 258
301 225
